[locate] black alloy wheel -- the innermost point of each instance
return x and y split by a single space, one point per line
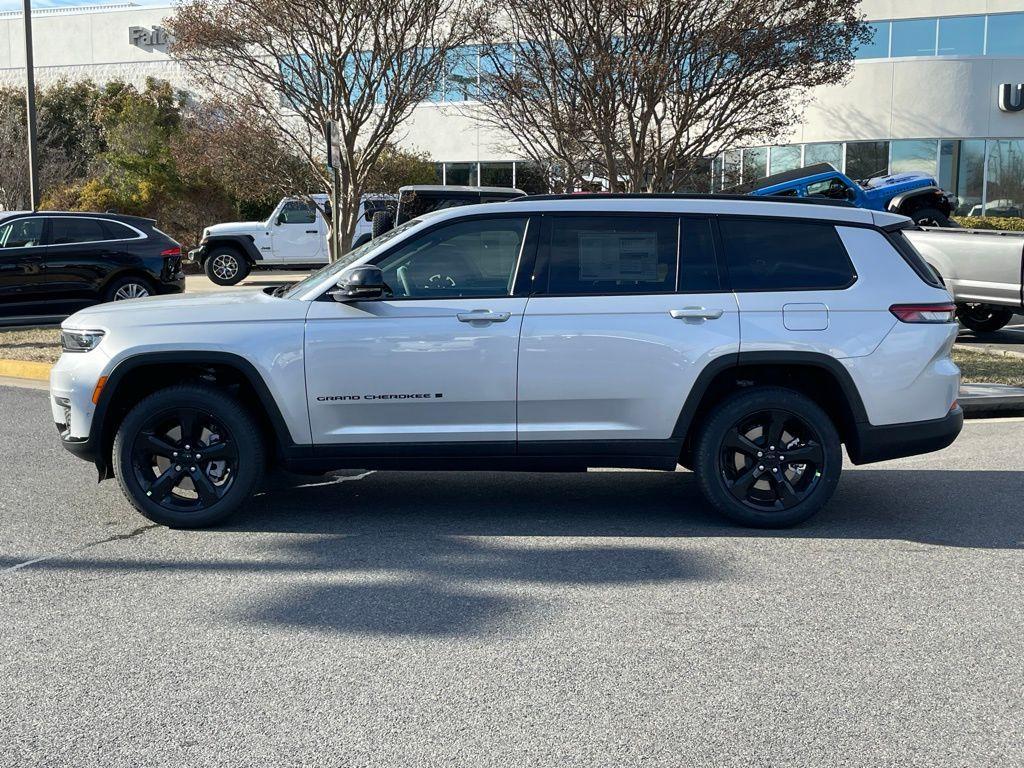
771 460
188 456
184 459
768 457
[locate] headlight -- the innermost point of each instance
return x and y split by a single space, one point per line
80 341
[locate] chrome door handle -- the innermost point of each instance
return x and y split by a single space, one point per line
696 313
483 316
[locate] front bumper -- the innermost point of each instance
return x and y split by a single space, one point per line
894 441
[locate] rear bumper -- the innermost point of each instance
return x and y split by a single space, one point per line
894 441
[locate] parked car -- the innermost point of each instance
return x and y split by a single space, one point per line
747 339
916 195
54 263
294 236
416 200
982 268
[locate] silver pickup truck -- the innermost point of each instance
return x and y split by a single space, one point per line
982 268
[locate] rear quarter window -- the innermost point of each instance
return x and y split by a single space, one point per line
780 255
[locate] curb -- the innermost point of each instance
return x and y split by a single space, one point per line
25 369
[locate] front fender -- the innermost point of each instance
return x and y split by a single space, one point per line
936 195
245 243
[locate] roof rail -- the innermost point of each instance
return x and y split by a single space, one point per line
685 196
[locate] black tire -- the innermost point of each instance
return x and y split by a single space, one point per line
983 318
167 427
128 287
226 266
768 490
383 221
931 217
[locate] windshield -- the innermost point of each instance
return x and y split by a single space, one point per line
346 260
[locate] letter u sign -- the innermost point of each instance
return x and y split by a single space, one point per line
1011 97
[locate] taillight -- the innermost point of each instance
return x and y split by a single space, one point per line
924 313
171 252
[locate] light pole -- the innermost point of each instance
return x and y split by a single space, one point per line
30 106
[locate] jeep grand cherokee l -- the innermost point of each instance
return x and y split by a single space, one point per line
745 339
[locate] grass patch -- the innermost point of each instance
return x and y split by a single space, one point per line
39 345
982 367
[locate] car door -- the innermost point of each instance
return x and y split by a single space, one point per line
298 234
22 267
80 257
436 362
629 311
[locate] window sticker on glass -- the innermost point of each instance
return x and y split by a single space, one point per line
615 256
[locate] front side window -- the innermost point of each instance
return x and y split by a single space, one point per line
298 212
612 254
770 255
833 189
21 233
471 258
68 231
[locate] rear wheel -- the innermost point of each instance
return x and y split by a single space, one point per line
983 318
225 267
188 456
769 458
130 287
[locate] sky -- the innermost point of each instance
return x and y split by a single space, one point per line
16 5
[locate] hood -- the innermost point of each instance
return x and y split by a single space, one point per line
234 228
915 178
190 309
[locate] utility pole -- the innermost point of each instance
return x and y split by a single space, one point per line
30 106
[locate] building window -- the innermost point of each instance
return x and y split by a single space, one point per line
496 175
462 67
915 155
731 169
785 158
461 174
824 153
962 36
1004 186
1005 35
878 48
913 37
865 159
755 164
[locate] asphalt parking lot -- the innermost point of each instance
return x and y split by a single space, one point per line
481 619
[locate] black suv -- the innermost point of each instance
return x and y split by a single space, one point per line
56 263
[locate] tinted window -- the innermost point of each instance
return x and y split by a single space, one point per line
298 212
117 231
476 257
22 233
878 48
612 254
913 37
698 270
784 255
1006 34
415 204
962 36
67 230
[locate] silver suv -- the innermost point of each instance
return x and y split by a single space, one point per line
747 340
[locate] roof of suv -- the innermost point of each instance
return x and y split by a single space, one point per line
698 204
83 214
454 189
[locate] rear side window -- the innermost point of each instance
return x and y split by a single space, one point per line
68 231
916 261
698 269
775 255
612 254
117 231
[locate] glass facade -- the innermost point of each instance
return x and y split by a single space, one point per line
913 155
995 34
865 159
521 174
824 153
785 158
1004 180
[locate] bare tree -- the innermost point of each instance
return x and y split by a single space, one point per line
305 64
642 90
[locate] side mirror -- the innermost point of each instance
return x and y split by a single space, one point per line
361 283
281 219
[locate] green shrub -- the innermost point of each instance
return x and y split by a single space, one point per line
1005 223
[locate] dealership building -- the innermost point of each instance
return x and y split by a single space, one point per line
940 89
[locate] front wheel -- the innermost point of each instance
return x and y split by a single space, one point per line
769 457
225 267
188 456
983 318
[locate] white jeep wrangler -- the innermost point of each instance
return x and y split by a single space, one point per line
746 339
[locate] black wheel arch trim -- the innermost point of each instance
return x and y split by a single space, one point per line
244 242
97 446
931 191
